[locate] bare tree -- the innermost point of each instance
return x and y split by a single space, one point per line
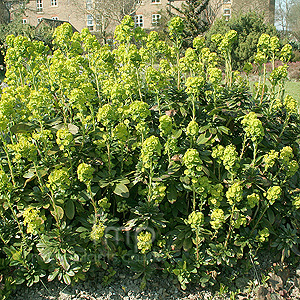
293 19
106 14
4 13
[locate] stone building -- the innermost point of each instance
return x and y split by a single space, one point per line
81 13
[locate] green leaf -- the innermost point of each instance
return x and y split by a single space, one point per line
202 139
67 279
187 244
172 194
29 174
58 212
271 216
70 209
21 128
121 190
52 276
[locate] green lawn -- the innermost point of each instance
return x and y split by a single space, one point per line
293 89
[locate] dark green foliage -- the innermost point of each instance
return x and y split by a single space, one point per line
195 21
249 27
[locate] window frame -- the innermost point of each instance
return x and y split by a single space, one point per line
139 21
155 21
39 5
54 3
155 1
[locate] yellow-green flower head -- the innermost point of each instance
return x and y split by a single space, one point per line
274 44
263 42
227 41
191 158
85 173
151 149
253 200
292 168
34 222
235 193
192 128
291 105
64 138
199 42
263 235
158 192
217 218
215 75
104 203
194 85
286 154
24 149
240 221
144 241
175 26
97 231
107 114
296 201
196 219
218 153
230 158
142 128
253 127
121 133
286 52
270 158
273 194
59 179
190 55
139 110
165 125
260 57
247 67
278 74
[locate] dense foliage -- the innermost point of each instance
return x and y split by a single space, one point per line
249 27
144 156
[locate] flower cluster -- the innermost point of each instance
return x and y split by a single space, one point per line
107 115
217 194
240 220
292 168
24 149
227 155
104 203
144 243
296 201
290 104
59 179
286 154
263 235
97 231
234 193
273 194
158 192
121 133
253 200
192 128
278 74
139 110
33 220
165 125
286 52
192 159
64 138
85 173
194 84
151 148
196 219
217 218
253 127
270 158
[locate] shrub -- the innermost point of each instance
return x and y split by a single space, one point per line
249 27
142 157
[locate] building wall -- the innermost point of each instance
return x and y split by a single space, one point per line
76 12
65 10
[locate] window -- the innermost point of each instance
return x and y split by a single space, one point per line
24 21
138 21
227 12
155 1
39 20
39 5
226 1
53 2
54 18
90 22
155 19
89 4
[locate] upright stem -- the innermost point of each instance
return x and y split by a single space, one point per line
8 160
